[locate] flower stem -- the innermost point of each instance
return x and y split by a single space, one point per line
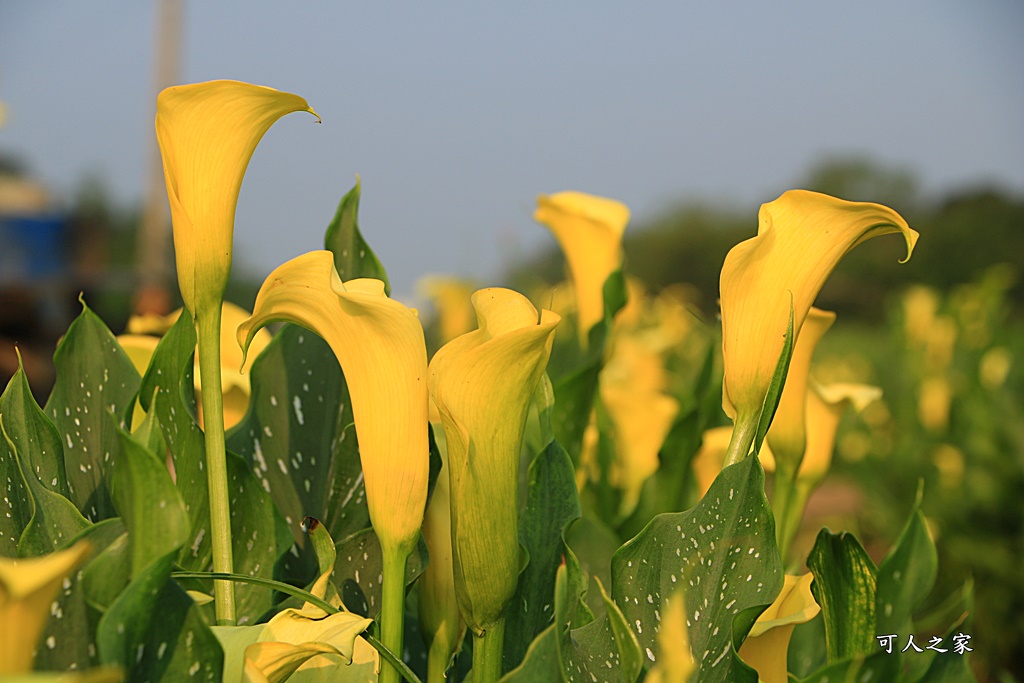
487 652
208 331
392 615
437 661
743 434
783 504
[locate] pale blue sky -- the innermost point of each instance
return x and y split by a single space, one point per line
458 114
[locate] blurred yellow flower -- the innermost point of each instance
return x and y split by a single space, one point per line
207 133
675 658
140 344
787 434
801 238
482 383
379 344
767 644
27 589
450 296
707 463
589 230
825 407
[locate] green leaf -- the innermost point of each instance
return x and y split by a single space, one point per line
52 519
359 571
156 632
68 641
551 505
906 575
33 434
149 504
353 257
844 586
94 377
724 551
877 667
295 441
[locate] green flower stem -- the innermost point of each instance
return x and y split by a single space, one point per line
743 434
794 514
782 504
208 332
392 614
487 652
437 660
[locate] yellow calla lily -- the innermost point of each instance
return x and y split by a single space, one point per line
589 230
707 462
801 237
379 344
767 644
675 660
787 434
482 383
207 133
27 589
825 407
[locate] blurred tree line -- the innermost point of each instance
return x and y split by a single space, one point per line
962 233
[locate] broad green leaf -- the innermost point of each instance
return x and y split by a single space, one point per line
724 551
68 642
109 572
33 434
950 667
906 575
551 505
94 377
149 504
52 519
359 571
353 257
156 632
844 586
258 534
17 503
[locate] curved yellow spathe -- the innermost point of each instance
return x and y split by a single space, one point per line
787 435
379 344
801 237
482 383
589 230
767 644
207 133
825 408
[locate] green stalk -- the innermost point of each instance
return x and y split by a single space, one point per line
794 514
487 652
743 434
392 613
782 504
208 332
437 660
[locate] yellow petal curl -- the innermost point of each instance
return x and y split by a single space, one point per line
207 133
767 644
379 344
825 408
801 237
589 230
482 383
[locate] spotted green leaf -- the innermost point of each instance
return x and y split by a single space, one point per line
906 575
359 571
723 551
94 377
353 257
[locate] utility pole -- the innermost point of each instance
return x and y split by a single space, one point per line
152 294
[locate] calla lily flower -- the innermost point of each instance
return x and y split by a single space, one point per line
787 435
379 344
589 230
482 383
207 133
707 462
825 407
767 644
27 589
675 660
450 297
801 237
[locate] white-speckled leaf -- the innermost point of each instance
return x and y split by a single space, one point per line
724 550
94 377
